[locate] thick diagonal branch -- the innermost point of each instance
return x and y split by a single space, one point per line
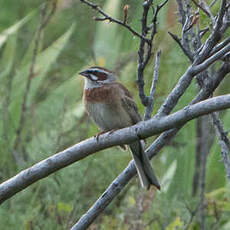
128 135
119 183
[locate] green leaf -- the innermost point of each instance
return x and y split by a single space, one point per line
168 176
226 226
44 61
8 57
13 29
47 58
217 192
175 225
64 207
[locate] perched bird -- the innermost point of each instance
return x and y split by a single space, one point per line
111 106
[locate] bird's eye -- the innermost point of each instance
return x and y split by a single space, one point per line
93 77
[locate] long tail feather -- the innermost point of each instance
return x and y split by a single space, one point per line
143 166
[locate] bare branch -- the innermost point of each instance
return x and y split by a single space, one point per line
126 175
142 60
212 59
205 139
193 21
141 130
158 144
150 106
215 36
144 56
111 19
203 31
154 21
186 52
213 83
224 142
205 9
213 3
193 213
181 11
220 46
184 35
45 18
185 81
204 53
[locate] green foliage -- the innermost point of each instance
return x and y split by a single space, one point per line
55 119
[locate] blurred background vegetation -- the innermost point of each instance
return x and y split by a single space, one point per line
55 119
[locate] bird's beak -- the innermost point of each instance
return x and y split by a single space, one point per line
83 73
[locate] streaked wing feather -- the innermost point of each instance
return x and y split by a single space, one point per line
128 103
131 108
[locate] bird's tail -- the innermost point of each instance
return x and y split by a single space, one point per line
144 169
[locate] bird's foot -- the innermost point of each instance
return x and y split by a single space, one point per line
112 131
99 134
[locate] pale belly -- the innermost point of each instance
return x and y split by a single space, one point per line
108 118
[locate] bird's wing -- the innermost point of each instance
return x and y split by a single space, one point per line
131 108
129 105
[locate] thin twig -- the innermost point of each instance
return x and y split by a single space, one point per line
192 215
143 55
193 21
224 142
117 185
205 9
45 17
111 19
185 81
202 193
184 36
213 58
220 46
123 136
203 31
154 21
158 144
150 106
48 166
121 181
187 22
142 58
142 61
213 83
205 144
181 11
215 36
186 52
213 3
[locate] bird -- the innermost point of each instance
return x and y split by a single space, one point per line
111 107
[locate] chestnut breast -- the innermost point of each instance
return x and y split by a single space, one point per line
103 104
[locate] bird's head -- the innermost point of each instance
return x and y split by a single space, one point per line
97 77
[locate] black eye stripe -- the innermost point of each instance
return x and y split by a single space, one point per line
94 72
100 75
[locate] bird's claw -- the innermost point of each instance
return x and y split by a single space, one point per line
111 131
99 134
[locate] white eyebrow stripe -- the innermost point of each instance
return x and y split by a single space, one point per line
99 70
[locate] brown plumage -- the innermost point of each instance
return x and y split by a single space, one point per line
111 106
